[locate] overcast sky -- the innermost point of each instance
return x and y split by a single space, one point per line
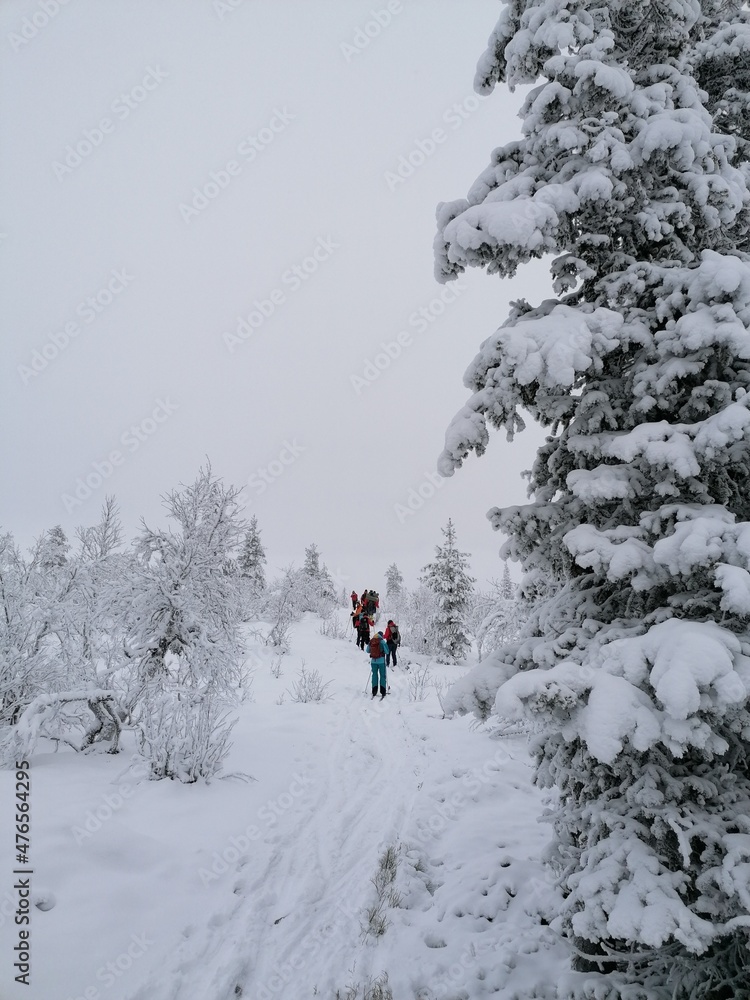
206 242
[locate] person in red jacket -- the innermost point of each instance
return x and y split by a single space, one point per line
354 598
392 636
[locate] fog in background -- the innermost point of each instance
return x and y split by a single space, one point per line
217 224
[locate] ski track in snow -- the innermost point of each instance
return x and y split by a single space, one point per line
286 919
303 907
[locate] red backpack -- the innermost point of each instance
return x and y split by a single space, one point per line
376 652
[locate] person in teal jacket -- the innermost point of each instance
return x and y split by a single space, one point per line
378 664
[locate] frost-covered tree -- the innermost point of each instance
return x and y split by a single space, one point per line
394 582
496 616
311 565
185 611
27 661
640 497
449 581
316 590
282 607
415 612
52 550
182 629
252 558
507 590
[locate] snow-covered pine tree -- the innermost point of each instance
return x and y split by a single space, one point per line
507 590
253 557
53 548
311 565
448 579
394 582
640 512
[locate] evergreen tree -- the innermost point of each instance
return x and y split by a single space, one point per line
640 368
507 590
253 557
53 548
311 565
448 579
394 582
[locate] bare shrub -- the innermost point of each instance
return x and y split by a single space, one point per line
309 687
420 679
184 738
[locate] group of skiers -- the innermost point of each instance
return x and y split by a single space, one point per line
382 646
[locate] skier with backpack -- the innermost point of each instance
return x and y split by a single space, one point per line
363 631
393 637
378 650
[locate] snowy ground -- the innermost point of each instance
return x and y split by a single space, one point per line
261 888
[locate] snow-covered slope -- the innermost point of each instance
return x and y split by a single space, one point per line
266 885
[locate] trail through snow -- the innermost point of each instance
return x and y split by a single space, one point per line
261 889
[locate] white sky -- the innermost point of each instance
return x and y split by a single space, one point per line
200 81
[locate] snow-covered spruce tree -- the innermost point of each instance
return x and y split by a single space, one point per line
316 590
507 587
253 557
640 498
311 565
394 582
452 586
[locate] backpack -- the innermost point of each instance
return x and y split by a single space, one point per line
395 635
376 653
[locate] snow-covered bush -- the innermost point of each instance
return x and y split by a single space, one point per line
309 687
184 737
417 608
281 609
420 680
332 627
639 515
496 617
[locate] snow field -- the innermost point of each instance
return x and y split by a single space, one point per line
261 886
